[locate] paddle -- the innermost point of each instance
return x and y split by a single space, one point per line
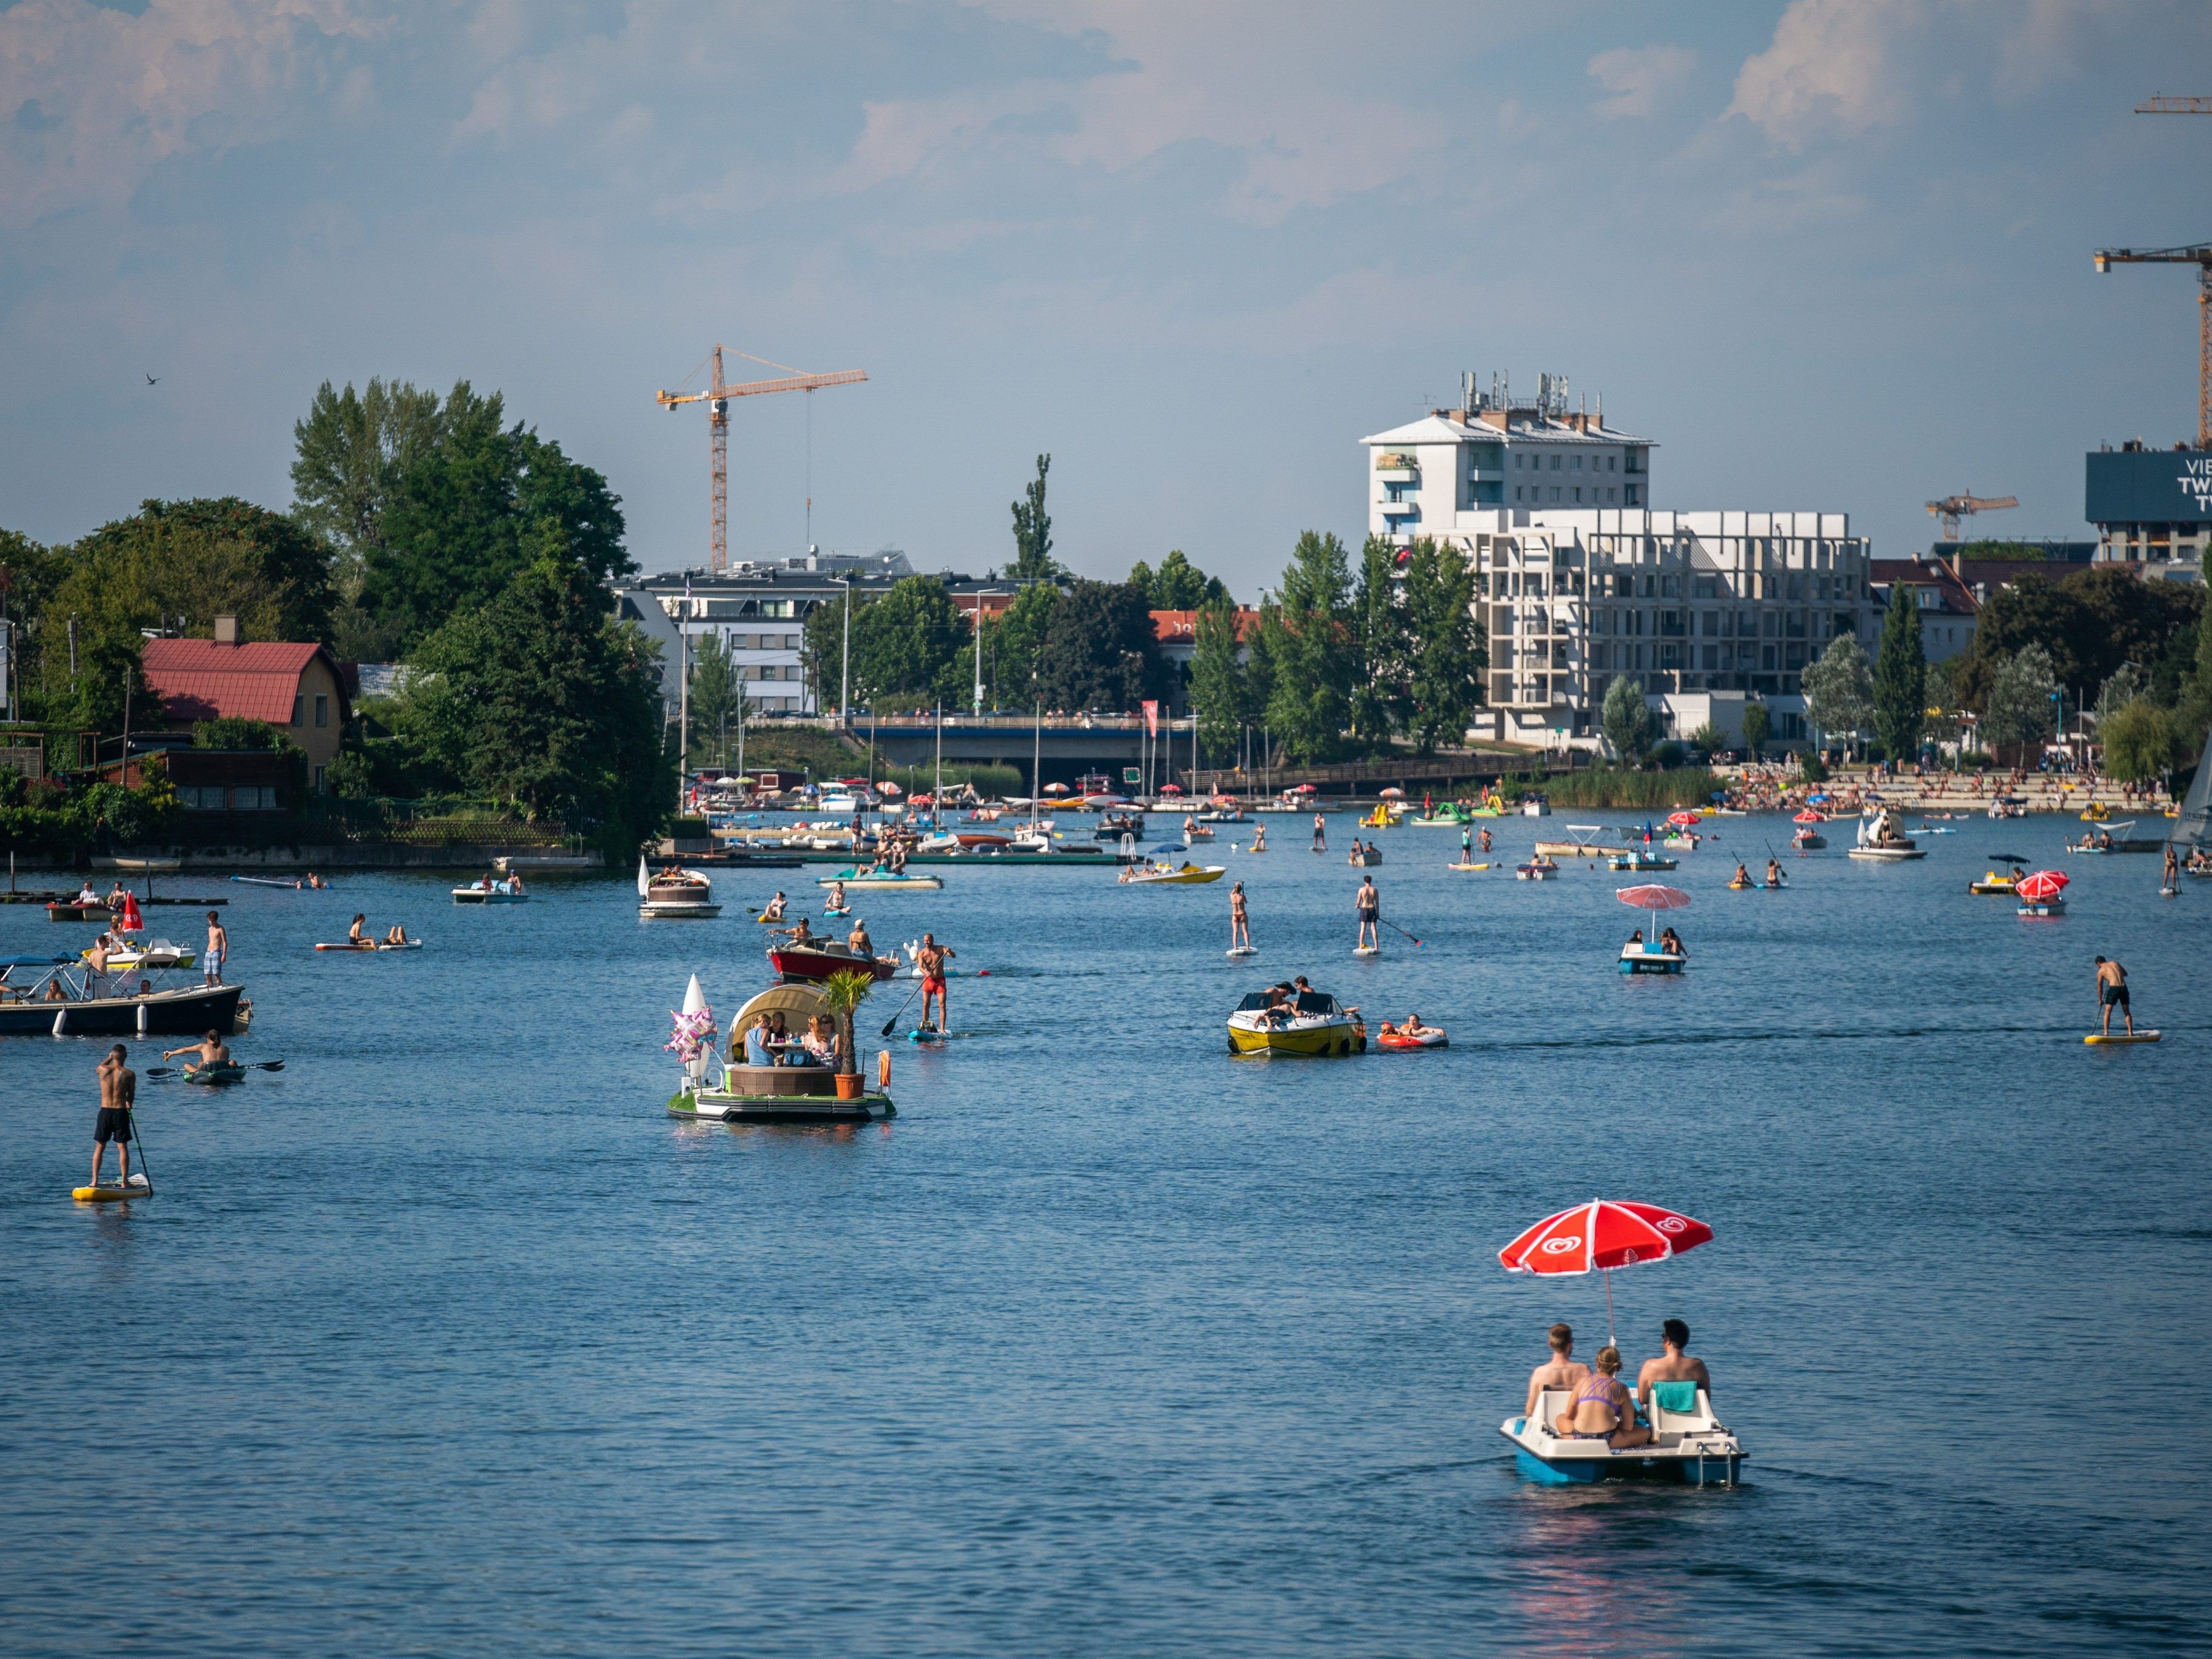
145 1168
244 1065
1395 928
894 1019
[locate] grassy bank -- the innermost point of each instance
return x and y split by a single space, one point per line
1609 786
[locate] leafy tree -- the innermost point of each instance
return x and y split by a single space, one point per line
2139 741
1709 737
2087 625
904 643
1100 650
1900 677
1310 650
352 451
1758 726
1448 652
2194 712
2022 705
1839 688
823 649
540 698
1381 674
229 732
1033 560
2121 687
1012 643
1626 718
1218 690
180 564
1177 585
718 695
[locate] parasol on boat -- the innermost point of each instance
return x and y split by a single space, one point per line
1684 820
2043 886
1808 816
1170 789
888 788
1392 793
1603 1235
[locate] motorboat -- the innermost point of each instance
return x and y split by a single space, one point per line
2008 807
812 960
716 1089
1688 1443
1881 841
674 894
1316 1027
1649 957
39 997
1681 842
1643 861
152 953
1157 873
870 877
1115 825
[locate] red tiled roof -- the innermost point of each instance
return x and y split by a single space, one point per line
1174 627
200 680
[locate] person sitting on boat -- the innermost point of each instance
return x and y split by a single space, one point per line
116 895
820 1042
779 1039
1282 1004
85 895
836 897
800 932
1742 877
2103 840
316 881
757 1052
397 935
211 1049
1561 1370
1602 1409
484 883
772 910
1674 1364
1636 939
56 991
354 934
515 883
1671 942
858 941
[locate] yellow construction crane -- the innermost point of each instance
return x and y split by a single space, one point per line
717 397
1952 509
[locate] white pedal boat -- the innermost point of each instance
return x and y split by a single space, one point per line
1690 1447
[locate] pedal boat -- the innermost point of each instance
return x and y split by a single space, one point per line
1690 1447
1993 884
1539 868
876 881
1319 1029
1643 861
1647 958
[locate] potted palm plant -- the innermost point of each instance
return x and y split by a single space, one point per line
842 995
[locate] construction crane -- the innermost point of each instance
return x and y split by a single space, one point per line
1952 509
717 397
2164 105
2200 255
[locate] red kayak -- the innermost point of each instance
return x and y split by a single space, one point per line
819 959
1429 1037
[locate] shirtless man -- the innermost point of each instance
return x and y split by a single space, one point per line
218 948
95 967
1367 905
1321 835
773 911
119 1092
859 940
1674 1364
2112 992
1240 920
1485 841
355 933
211 1049
1561 1370
933 957
836 897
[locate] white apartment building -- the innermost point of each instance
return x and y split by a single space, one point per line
1706 610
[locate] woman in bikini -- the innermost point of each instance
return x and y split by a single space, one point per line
1602 1409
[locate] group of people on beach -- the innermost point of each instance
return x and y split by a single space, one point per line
1601 1408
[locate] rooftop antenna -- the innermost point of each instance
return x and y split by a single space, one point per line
1601 408
1467 393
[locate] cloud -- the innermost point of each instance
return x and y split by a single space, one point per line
1830 67
1638 77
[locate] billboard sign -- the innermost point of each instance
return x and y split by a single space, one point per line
2149 486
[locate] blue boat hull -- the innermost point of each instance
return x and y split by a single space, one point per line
1589 1471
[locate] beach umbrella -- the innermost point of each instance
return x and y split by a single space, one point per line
888 788
2042 885
1655 898
1684 820
1055 789
1604 1235
1170 789
1821 798
1392 794
1808 816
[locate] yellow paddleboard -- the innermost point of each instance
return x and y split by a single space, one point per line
110 1194
1466 867
2120 1037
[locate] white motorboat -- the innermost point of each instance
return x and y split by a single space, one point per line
1688 1445
674 894
1881 841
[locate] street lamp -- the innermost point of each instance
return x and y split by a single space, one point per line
845 676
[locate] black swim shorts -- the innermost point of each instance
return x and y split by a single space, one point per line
2115 996
113 1123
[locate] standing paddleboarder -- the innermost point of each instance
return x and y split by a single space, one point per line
932 958
1369 908
119 1092
1240 921
2111 993
1321 835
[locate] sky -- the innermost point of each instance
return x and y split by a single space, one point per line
1830 255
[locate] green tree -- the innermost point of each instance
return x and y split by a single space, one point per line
2087 625
1033 560
1101 652
1839 688
540 698
1310 651
719 704
1382 671
1626 718
180 564
2022 705
2194 714
905 643
1708 738
1448 652
1219 691
1901 678
824 646
1012 643
2139 742
351 452
1758 726
1177 585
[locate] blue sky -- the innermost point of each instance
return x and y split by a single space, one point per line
1831 254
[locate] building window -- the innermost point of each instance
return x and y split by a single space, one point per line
299 707
322 708
1555 489
1555 463
320 770
1578 462
1635 495
1578 492
1517 489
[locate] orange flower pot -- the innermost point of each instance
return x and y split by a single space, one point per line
850 1086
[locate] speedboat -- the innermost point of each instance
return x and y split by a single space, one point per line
1688 1444
37 999
674 894
813 960
1182 875
1318 1027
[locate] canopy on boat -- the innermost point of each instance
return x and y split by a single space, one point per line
890 788
1653 896
1392 793
1685 819
1170 789
34 961
2043 885
1808 816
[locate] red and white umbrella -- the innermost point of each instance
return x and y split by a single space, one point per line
1603 1235
1392 793
889 789
2043 886
1652 896
1808 816
1684 819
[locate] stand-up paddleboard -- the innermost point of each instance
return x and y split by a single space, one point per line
1367 950
1245 951
920 1036
2169 892
1466 867
269 881
2121 1036
139 1187
366 944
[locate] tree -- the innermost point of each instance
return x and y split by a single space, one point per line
1310 650
2087 625
842 994
2194 714
2022 705
352 450
1380 673
180 564
1101 651
718 695
1219 691
1448 653
1709 737
2139 742
1013 644
1758 726
1033 560
904 644
1626 718
1177 585
1900 677
540 698
1839 688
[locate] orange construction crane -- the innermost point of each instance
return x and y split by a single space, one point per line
2165 106
717 397
1952 509
2200 255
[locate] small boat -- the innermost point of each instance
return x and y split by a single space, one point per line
1115 825
26 1008
2053 906
1651 957
153 953
1366 855
1643 861
675 893
73 912
293 882
1879 839
1582 846
371 945
1534 806
1535 870
1381 818
1427 1037
478 894
2097 812
1318 1028
1810 841
140 866
1688 1444
816 959
1449 814
1171 875
864 878
1993 884
215 1077
1681 843
725 1090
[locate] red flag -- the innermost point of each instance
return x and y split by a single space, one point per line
1151 719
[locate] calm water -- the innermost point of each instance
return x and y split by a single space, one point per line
447 1341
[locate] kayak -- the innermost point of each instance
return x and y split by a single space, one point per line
215 1076
1427 1039
139 1187
367 945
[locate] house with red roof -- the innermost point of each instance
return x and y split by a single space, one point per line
295 687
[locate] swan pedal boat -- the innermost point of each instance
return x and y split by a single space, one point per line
1692 1447
1319 1028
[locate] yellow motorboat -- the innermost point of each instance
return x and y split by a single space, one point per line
1172 875
1994 883
1313 1028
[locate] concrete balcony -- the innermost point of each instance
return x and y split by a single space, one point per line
1398 474
1408 508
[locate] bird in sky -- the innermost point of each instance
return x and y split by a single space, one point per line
150 381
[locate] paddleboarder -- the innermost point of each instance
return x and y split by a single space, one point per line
1321 835
1368 906
218 948
1259 837
119 1092
1240 920
932 958
2111 993
2170 878
1467 843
